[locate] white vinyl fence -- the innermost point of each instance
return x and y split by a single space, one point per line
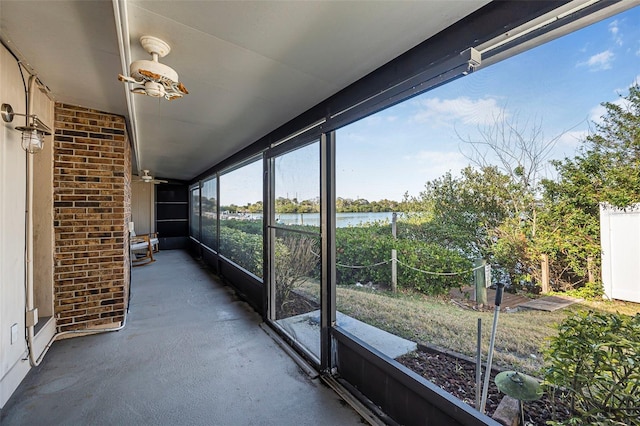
620 239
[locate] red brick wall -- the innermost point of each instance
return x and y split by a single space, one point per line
92 209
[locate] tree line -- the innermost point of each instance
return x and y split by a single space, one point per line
343 205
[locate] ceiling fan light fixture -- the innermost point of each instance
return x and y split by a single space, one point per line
152 78
153 89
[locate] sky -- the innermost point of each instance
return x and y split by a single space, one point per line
557 87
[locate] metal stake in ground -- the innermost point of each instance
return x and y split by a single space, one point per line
479 364
487 374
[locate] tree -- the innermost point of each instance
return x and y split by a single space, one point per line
606 170
255 207
465 212
520 151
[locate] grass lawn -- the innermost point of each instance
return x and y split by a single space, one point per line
519 339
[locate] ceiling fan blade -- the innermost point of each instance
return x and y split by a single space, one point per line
146 177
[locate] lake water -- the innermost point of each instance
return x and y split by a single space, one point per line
313 219
342 219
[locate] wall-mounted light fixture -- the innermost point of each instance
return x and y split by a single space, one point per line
33 132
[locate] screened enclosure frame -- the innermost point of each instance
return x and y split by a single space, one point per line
454 53
326 152
216 240
195 187
260 292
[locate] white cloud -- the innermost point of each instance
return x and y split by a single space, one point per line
437 157
433 164
447 111
572 139
614 29
623 90
353 136
597 112
380 118
599 61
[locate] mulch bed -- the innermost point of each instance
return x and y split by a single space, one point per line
297 304
457 376
452 372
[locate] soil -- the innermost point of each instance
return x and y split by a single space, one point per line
456 375
296 304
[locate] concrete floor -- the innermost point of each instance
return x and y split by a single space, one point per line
190 354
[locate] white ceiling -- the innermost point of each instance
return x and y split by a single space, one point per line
250 66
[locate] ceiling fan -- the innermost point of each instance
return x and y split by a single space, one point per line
147 178
150 77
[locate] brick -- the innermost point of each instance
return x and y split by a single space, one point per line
92 206
89 114
100 136
87 281
87 128
73 288
86 318
88 292
73 133
72 327
68 275
69 143
72 301
62 310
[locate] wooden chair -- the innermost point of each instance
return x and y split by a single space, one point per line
141 250
155 241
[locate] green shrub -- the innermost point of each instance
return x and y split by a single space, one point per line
590 290
242 248
248 226
371 246
595 359
208 236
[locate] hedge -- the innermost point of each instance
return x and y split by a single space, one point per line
241 241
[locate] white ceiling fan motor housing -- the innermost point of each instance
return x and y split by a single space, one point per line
152 78
157 48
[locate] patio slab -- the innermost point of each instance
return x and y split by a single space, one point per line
550 303
190 354
305 328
